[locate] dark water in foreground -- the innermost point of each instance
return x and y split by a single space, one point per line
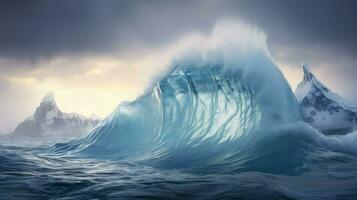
27 172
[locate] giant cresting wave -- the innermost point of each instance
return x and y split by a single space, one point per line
220 108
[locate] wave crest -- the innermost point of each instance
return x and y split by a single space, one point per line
197 115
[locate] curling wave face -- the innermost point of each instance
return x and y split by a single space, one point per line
196 117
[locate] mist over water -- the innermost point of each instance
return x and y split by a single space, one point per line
222 123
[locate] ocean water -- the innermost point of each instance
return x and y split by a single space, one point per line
28 172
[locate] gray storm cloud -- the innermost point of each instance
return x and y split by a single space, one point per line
49 28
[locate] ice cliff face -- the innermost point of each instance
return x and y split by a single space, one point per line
324 109
48 119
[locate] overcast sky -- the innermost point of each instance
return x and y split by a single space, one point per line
95 54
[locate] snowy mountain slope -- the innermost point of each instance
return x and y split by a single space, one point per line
324 109
48 119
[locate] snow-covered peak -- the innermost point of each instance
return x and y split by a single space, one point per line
324 109
311 84
49 98
48 119
308 84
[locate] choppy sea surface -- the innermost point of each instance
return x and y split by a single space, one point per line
28 172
